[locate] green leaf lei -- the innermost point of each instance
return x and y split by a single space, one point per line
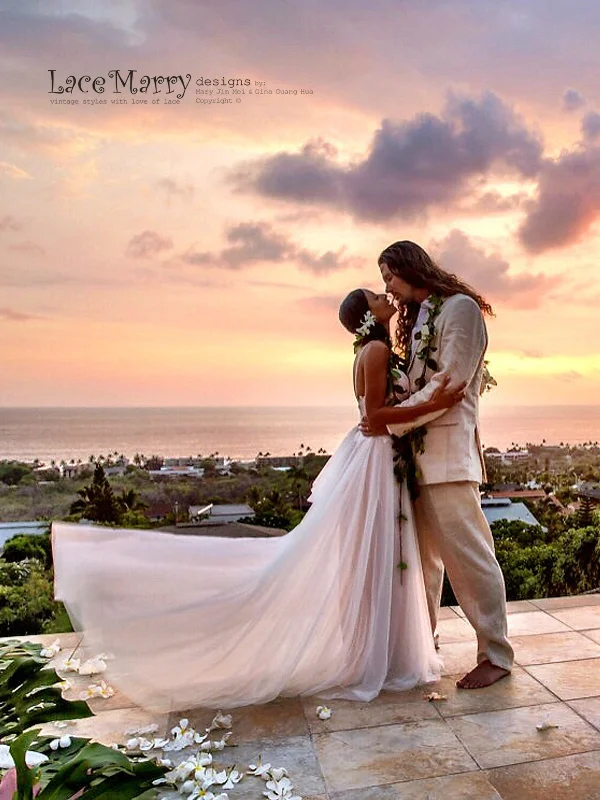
406 448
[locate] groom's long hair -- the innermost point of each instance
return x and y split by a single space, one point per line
414 265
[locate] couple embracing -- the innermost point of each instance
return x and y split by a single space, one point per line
346 604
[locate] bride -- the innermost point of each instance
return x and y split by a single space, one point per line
217 622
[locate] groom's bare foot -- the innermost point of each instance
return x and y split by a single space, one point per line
484 674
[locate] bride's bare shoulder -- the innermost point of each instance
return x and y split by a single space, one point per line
375 350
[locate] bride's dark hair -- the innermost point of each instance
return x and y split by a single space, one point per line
352 311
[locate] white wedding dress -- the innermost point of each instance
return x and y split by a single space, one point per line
217 622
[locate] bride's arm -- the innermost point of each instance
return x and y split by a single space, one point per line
375 362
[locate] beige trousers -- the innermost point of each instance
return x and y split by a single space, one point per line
453 533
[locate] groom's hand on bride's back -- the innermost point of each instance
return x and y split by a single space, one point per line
368 430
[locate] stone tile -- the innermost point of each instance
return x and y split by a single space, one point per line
446 612
575 601
79 683
518 606
571 778
531 622
512 607
387 709
390 753
295 753
579 619
498 738
468 786
589 709
519 689
110 726
546 648
569 680
455 630
280 718
458 657
594 635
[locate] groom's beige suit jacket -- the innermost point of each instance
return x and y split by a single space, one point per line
452 442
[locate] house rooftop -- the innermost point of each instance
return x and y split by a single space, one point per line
499 508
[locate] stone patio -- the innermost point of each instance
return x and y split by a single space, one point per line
476 744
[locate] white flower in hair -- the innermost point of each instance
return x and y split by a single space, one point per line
368 321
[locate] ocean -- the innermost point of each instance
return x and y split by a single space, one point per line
77 433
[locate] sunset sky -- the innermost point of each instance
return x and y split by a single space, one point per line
196 254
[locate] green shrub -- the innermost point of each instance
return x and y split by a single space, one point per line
26 604
25 546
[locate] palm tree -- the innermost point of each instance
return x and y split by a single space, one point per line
298 479
131 501
97 502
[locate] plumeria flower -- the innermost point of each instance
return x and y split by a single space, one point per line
219 744
98 690
220 721
368 321
279 790
546 726
93 666
132 744
65 685
146 744
212 776
323 712
62 743
259 769
160 743
182 728
233 777
71 665
32 759
434 697
277 773
51 650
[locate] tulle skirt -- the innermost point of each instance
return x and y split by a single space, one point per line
217 622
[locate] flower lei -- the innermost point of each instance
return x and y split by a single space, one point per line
368 321
406 448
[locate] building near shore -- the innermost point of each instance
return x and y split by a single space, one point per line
502 508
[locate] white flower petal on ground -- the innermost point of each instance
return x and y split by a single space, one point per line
132 744
51 650
160 743
233 777
323 712
32 759
93 666
434 697
70 665
546 725
279 790
62 743
220 720
277 773
259 769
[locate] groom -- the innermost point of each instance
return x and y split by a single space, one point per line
441 329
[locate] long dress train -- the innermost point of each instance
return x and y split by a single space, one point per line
217 622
